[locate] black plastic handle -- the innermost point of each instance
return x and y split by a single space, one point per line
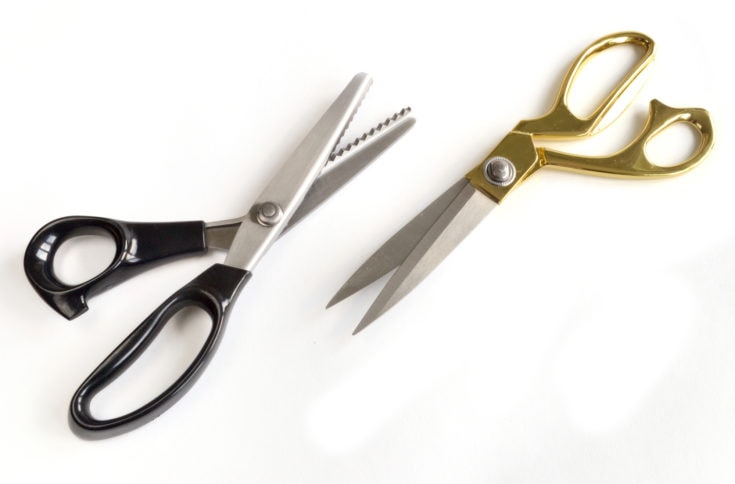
138 247
215 290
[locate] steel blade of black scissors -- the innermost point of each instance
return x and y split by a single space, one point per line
365 152
361 153
282 196
465 212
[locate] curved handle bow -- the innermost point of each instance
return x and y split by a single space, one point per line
137 247
215 290
632 161
560 121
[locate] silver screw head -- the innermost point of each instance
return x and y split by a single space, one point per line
269 214
500 171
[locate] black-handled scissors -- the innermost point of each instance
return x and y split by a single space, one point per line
293 193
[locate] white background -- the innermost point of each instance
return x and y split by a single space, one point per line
583 333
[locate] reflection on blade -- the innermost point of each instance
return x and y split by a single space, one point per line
396 249
464 213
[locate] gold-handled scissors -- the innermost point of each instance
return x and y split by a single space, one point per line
422 244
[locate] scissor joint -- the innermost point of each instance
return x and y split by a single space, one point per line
269 214
511 162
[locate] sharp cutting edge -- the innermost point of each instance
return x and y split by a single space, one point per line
468 208
396 249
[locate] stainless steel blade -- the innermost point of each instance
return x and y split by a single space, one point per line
287 189
465 212
357 156
348 162
396 249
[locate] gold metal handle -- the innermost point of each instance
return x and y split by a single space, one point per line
631 161
560 121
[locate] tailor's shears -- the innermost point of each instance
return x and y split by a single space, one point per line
423 243
294 192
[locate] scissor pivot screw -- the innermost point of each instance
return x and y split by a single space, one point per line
499 171
269 214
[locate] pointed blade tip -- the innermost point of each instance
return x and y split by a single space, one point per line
362 325
332 302
340 296
370 316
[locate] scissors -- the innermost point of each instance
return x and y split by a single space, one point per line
422 244
292 194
